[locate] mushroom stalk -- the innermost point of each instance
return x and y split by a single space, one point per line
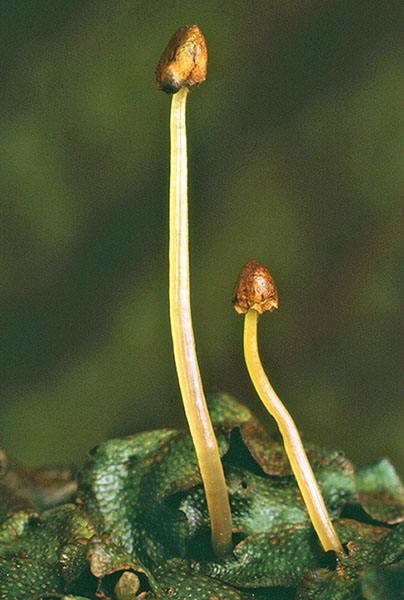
183 338
183 65
255 293
291 438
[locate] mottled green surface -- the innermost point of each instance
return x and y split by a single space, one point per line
386 505
32 554
383 584
140 507
365 572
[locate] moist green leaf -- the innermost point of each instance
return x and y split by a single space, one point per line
367 547
181 582
380 492
111 483
147 493
47 553
264 560
31 556
383 584
268 452
391 548
141 510
105 557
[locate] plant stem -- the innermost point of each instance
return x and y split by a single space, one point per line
293 444
183 338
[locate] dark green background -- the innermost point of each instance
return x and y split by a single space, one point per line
296 156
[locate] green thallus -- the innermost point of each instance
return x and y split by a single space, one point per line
255 293
182 66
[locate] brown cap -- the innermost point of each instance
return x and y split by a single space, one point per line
184 61
255 289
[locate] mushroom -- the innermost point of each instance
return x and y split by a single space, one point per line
255 293
182 66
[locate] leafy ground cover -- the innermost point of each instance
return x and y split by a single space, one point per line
134 523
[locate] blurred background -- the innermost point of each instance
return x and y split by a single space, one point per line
296 159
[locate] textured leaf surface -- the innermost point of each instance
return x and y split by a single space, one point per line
141 510
229 414
380 492
267 560
383 584
183 583
360 571
110 483
32 554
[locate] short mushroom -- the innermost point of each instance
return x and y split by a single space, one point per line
255 293
182 66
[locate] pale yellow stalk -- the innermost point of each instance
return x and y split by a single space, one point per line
291 438
183 338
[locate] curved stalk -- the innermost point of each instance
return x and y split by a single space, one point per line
255 293
183 338
291 438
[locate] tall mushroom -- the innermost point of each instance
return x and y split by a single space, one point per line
182 66
255 293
